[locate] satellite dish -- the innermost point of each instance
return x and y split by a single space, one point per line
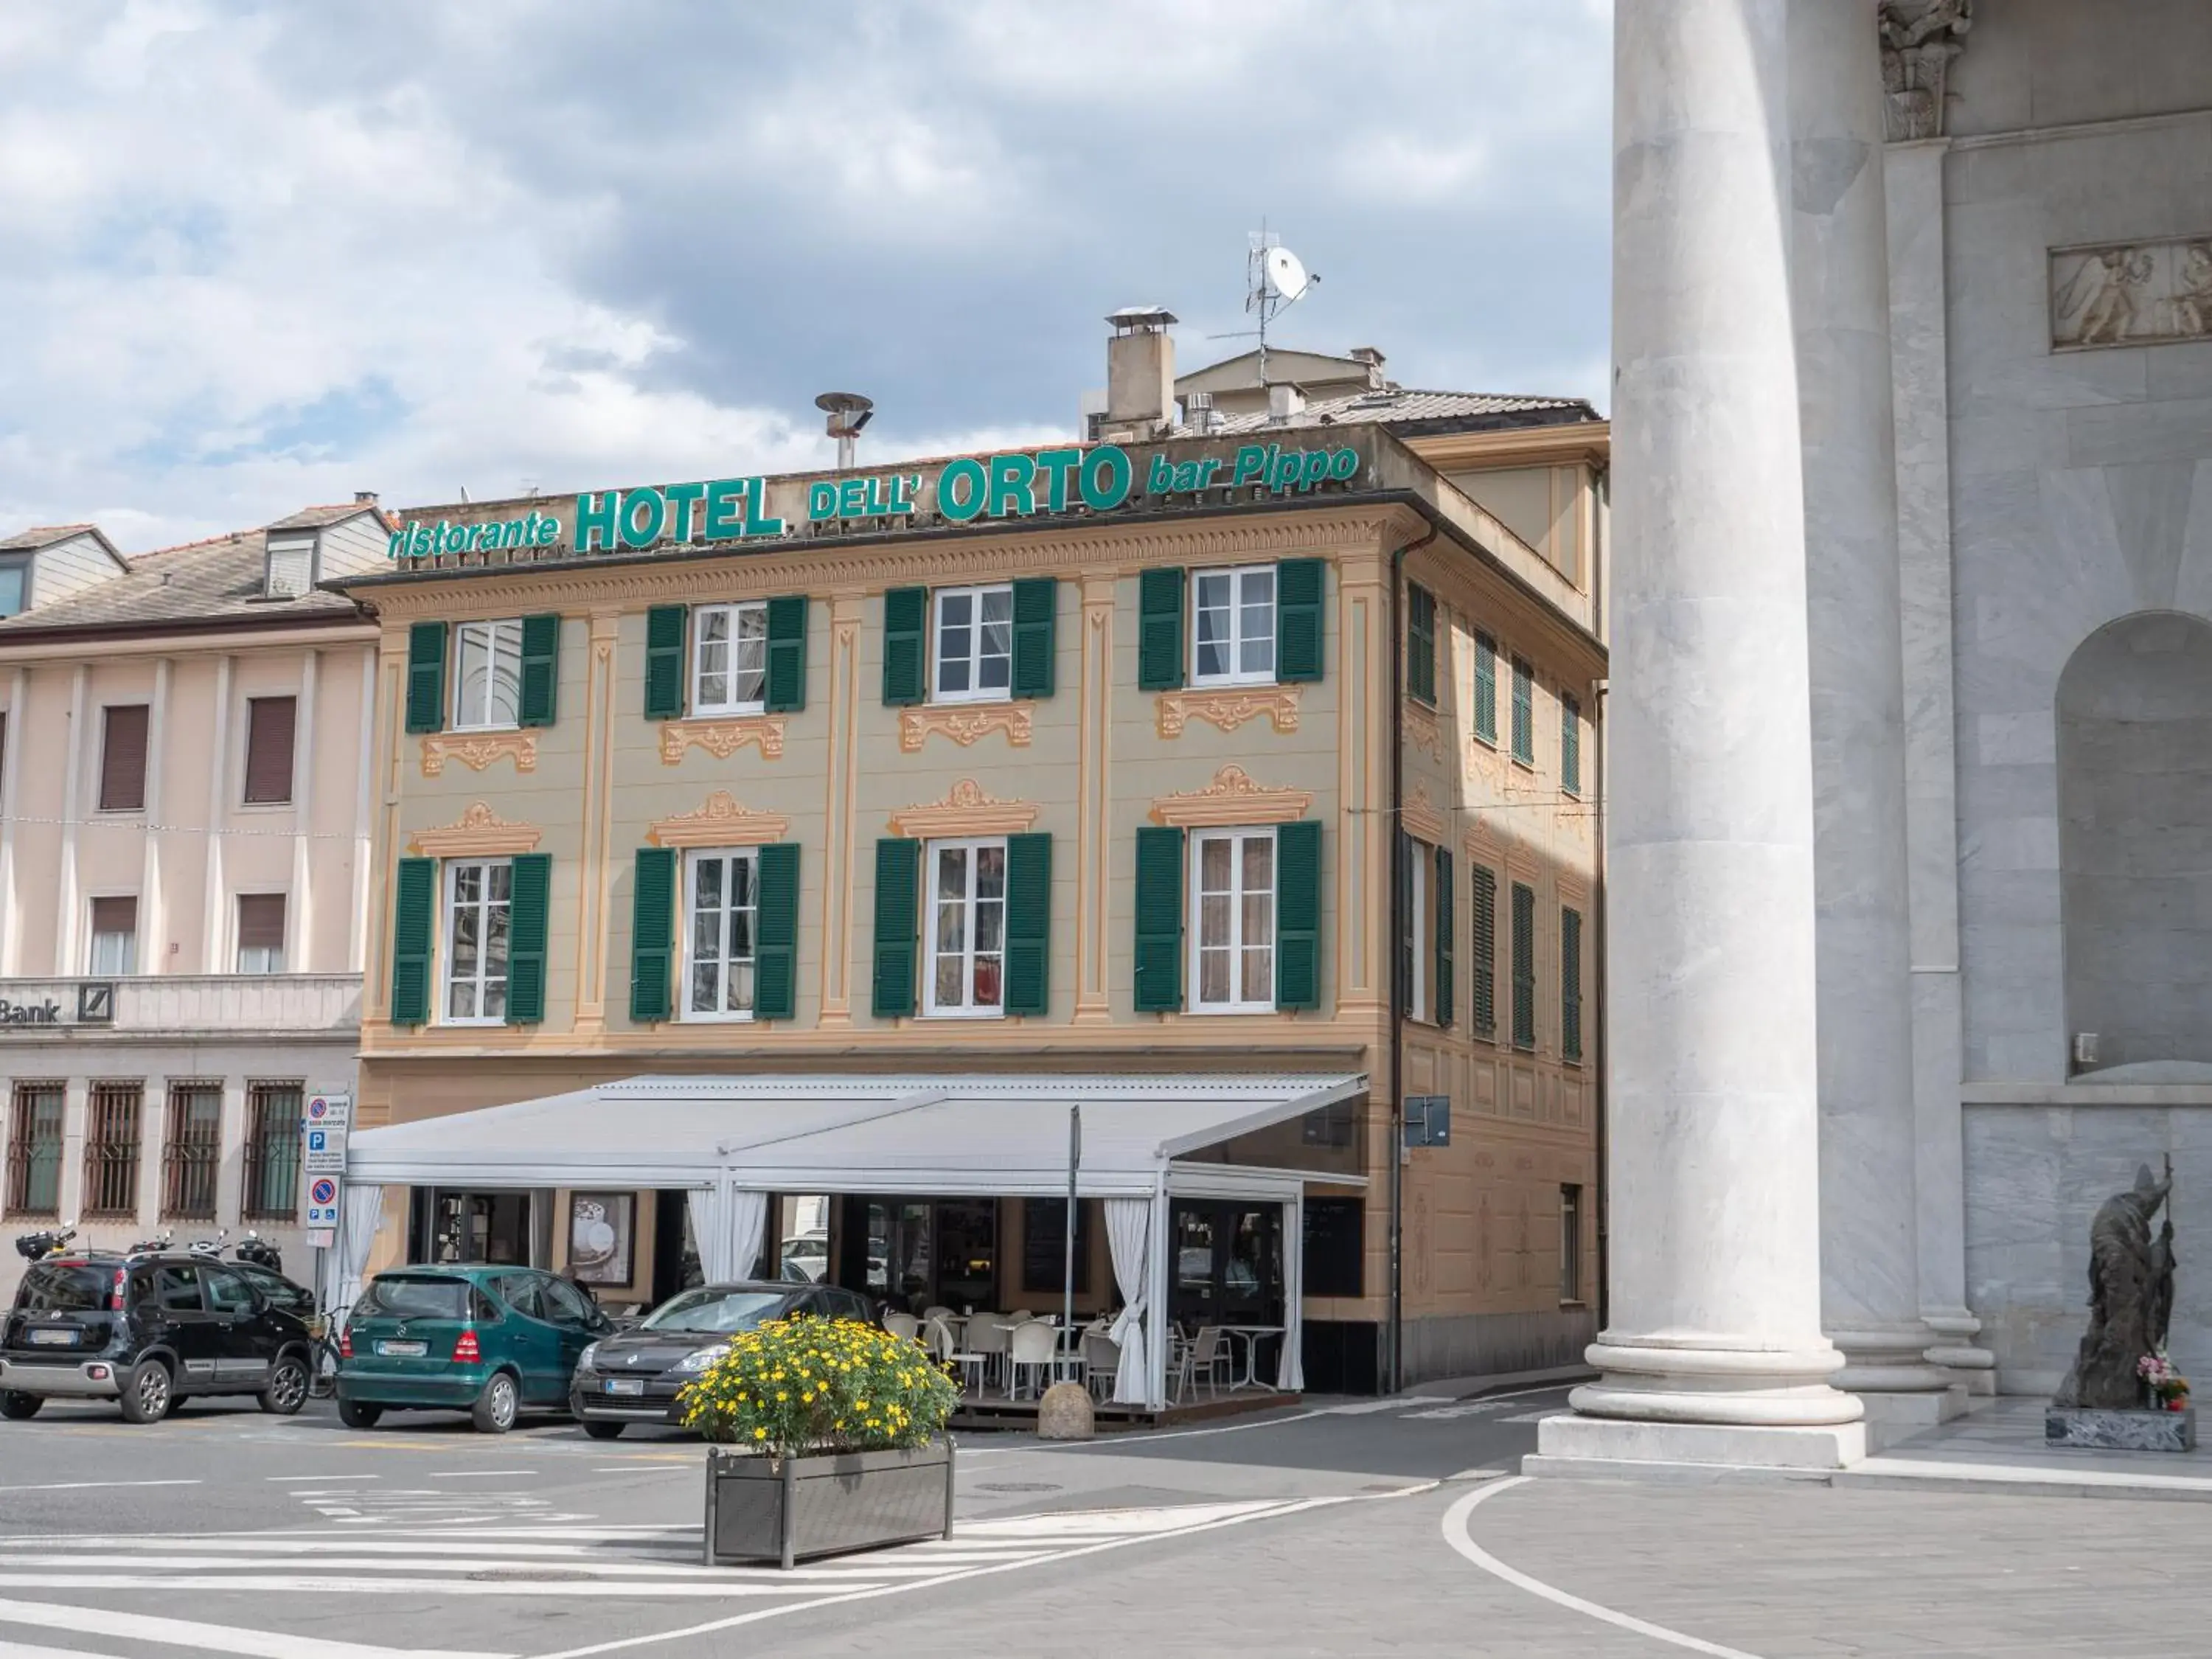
1285 274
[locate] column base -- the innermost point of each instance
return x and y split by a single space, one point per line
1595 1448
1954 1349
1888 1359
1891 1418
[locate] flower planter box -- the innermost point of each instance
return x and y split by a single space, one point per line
794 1508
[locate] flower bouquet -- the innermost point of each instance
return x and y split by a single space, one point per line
2169 1388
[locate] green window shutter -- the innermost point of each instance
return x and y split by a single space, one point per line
1482 969
898 882
1029 918
1421 644
1524 966
775 932
1036 606
1299 586
1297 914
665 626
541 669
906 646
528 892
786 655
426 677
1409 927
414 926
1447 991
1571 984
1159 629
1571 745
652 934
1485 688
1524 712
1158 986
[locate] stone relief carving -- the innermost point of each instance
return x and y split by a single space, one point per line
2131 294
1228 707
964 723
723 821
479 749
1919 39
722 739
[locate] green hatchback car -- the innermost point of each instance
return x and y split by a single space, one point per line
492 1341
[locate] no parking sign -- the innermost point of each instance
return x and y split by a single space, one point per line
323 1202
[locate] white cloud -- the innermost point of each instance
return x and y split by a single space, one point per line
259 257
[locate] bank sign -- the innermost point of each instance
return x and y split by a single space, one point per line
1016 484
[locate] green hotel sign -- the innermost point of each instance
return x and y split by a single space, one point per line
1016 484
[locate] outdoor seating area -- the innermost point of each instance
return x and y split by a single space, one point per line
1009 1358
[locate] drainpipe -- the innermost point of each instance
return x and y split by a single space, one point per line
1394 1376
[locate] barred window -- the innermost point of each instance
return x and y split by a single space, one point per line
272 1151
111 1150
34 1149
192 1151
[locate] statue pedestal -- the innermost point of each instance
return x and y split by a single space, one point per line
2101 1431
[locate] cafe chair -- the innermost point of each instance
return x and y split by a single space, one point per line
987 1337
1032 1346
1206 1355
1101 1359
902 1324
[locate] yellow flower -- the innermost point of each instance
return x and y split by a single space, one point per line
760 1434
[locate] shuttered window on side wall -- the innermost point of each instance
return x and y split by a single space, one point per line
1571 745
269 734
1524 712
1421 643
261 933
1482 965
1570 983
1485 688
1524 966
123 758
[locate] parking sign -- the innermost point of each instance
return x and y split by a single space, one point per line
322 1202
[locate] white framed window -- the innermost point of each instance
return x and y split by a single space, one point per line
1232 922
721 911
261 933
729 658
974 644
291 569
488 676
1232 624
966 883
114 936
476 900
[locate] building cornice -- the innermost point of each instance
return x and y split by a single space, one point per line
1233 798
965 810
177 638
479 832
1587 442
721 821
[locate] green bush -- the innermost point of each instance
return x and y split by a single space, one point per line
801 1385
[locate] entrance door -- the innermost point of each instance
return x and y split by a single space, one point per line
1228 1262
478 1227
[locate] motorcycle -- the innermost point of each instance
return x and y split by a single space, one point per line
260 1252
209 1249
48 1241
154 1246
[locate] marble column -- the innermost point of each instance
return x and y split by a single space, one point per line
1715 1352
1839 257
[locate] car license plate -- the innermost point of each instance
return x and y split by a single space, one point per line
54 1339
625 1385
402 1350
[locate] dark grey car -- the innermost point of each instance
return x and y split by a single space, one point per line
634 1376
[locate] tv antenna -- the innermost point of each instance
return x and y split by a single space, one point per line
1275 279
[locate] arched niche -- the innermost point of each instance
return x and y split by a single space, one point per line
2135 840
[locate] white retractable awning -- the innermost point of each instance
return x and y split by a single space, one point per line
735 1141
979 1134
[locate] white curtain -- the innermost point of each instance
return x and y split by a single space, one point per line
360 1209
1128 1235
748 1216
1291 1374
725 1225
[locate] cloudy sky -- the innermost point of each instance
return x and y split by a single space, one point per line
260 255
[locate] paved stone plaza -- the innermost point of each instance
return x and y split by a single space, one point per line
1341 1528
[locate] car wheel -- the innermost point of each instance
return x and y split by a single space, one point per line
17 1406
287 1387
359 1414
493 1411
149 1394
604 1430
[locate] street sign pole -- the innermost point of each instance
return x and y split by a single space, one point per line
1074 1161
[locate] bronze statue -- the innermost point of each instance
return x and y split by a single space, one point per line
2131 1297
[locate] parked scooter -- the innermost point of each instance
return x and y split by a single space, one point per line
210 1249
260 1252
155 1246
48 1241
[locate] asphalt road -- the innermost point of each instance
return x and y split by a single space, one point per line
222 1530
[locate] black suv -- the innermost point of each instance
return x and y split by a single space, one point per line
149 1330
